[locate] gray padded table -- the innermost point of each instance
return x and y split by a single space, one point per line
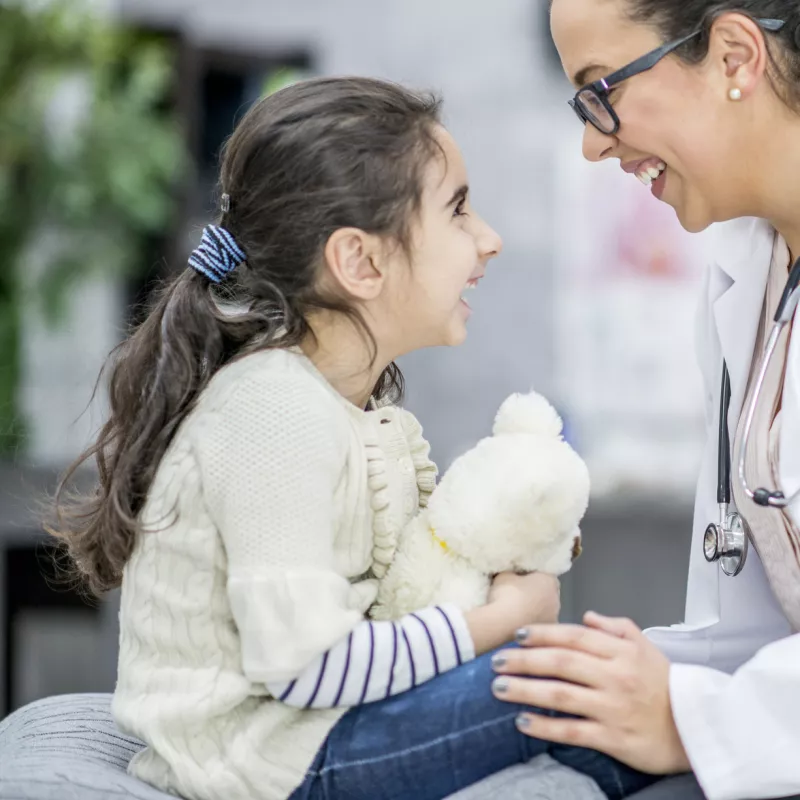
69 748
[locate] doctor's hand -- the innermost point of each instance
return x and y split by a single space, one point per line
609 674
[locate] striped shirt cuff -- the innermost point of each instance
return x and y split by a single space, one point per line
381 659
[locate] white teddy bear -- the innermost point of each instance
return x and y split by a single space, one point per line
511 503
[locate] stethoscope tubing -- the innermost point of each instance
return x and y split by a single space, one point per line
783 317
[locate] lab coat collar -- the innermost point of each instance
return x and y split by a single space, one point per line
743 252
739 247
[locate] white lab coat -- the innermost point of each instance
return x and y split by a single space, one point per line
735 675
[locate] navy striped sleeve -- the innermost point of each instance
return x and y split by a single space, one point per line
410 653
452 633
371 663
394 661
345 670
430 639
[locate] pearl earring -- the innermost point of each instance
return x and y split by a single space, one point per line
735 94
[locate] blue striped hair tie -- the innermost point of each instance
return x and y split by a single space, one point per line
218 254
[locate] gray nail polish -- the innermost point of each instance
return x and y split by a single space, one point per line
498 661
500 685
522 721
521 635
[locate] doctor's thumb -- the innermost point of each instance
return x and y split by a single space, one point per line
616 626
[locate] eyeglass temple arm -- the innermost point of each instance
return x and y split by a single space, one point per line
642 64
651 59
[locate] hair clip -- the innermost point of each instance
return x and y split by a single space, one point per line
225 203
218 254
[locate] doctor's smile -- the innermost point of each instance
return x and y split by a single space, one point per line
650 171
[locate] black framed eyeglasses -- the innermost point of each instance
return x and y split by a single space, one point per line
592 102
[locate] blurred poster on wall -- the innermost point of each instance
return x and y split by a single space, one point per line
627 289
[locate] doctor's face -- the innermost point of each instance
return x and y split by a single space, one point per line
679 131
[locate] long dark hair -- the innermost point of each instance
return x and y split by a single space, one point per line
674 20
310 159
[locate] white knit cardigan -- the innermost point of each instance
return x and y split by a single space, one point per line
228 589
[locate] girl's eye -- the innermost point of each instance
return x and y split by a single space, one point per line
459 209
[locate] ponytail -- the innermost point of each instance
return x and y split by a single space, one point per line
155 379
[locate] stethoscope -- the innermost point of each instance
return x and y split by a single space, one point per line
727 541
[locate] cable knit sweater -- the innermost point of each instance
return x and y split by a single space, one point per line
270 520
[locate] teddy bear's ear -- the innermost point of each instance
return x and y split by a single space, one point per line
527 413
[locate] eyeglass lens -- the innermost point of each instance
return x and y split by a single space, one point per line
595 110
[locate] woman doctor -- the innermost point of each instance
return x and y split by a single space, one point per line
712 128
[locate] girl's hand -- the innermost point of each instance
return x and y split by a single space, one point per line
527 599
609 674
514 601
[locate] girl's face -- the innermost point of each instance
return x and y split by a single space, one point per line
675 115
425 298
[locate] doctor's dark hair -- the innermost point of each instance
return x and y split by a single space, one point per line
674 20
310 159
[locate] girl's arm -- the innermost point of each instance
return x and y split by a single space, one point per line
380 659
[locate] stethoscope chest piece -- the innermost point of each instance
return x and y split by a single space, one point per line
727 542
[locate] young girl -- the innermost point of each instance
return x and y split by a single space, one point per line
255 475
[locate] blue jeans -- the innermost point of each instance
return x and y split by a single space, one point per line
442 736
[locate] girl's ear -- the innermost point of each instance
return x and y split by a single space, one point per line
352 257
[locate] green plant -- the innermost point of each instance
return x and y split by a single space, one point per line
90 154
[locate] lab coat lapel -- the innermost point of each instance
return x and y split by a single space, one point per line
740 279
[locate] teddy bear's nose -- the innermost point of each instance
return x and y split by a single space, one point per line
576 547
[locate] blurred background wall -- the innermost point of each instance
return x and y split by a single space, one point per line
591 302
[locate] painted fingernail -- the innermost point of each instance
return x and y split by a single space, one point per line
522 721
500 685
521 635
498 661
